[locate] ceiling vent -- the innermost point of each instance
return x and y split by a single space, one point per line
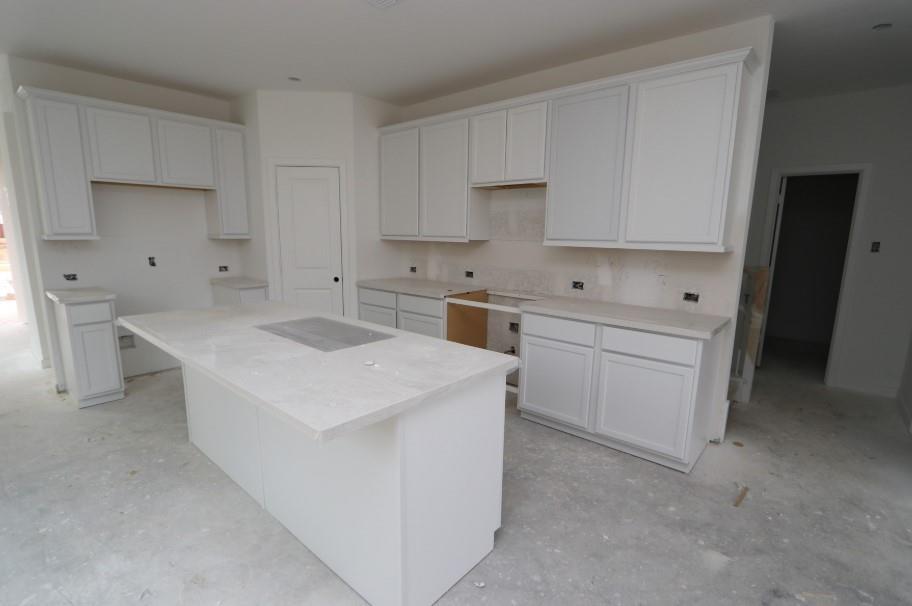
382 3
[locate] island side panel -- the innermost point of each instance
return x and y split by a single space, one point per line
452 466
224 427
341 498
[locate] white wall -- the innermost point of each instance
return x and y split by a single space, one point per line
134 222
869 127
320 129
515 258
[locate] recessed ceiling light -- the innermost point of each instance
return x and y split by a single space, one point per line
294 78
882 26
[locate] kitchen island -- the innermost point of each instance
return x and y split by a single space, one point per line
381 450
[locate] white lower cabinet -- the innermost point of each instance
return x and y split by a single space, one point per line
644 403
376 314
89 348
421 324
628 389
556 380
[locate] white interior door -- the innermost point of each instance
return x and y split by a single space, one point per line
310 237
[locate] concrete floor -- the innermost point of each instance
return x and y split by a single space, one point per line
111 505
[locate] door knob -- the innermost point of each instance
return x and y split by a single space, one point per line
336 279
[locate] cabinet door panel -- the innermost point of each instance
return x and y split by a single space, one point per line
644 403
121 144
556 380
185 153
97 359
489 147
423 325
526 135
586 166
399 184
378 315
444 180
66 194
231 188
681 156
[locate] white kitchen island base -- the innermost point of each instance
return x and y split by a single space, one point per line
400 510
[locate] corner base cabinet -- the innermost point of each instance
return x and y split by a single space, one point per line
644 393
89 349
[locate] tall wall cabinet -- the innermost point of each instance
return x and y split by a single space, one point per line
639 160
79 140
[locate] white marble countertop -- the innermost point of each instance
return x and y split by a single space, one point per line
654 319
67 296
418 287
326 393
239 282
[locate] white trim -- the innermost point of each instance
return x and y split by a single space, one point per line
271 226
853 248
741 55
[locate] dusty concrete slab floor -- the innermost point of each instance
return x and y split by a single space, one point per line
111 505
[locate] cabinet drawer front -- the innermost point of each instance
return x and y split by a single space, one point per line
421 305
420 324
378 315
90 313
648 345
571 331
377 297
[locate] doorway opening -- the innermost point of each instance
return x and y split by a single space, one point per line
808 255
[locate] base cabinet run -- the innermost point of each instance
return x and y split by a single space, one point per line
640 392
421 315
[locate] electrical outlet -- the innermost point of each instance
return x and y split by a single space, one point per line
469 274
126 342
413 269
692 297
875 246
223 268
152 262
514 327
69 277
577 285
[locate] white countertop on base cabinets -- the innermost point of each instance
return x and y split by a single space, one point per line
67 296
418 287
654 319
324 393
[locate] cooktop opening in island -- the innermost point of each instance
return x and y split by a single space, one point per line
324 334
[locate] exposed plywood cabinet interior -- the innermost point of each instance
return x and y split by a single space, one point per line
121 145
586 167
399 183
185 153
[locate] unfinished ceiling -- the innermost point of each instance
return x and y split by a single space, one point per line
420 49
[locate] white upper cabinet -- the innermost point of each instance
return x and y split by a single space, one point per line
227 205
121 145
680 156
185 153
489 147
77 140
444 179
63 180
399 184
527 130
586 167
508 146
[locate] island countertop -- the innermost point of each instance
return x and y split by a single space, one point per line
326 393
